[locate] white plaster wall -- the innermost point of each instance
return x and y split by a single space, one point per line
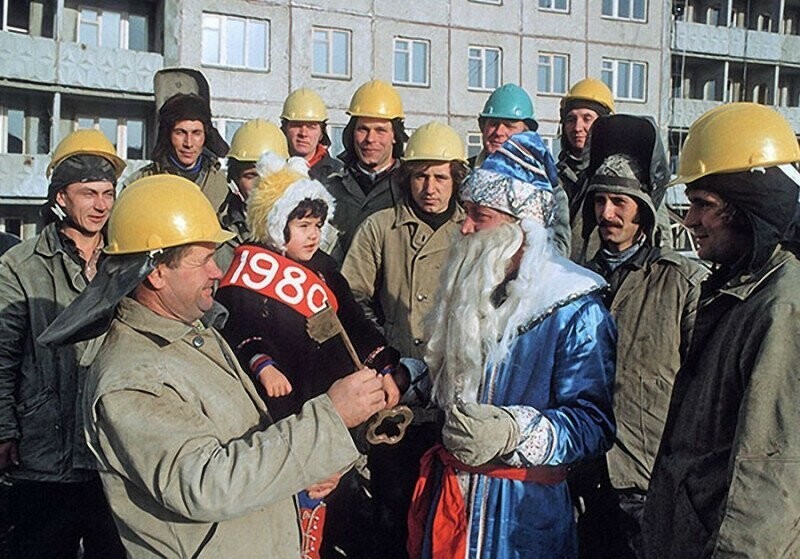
335 91
556 25
463 101
430 101
501 18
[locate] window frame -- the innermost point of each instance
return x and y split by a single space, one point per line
553 8
222 42
120 143
483 49
411 59
35 137
615 73
123 32
615 11
551 90
5 8
470 143
329 74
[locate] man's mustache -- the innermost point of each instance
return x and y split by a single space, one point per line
607 223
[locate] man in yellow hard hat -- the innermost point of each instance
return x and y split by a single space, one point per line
252 139
56 500
304 121
725 479
586 100
393 267
373 143
190 459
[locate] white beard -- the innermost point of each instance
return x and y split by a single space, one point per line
467 333
465 326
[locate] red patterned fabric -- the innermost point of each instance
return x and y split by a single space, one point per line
449 534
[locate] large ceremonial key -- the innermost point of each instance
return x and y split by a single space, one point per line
323 326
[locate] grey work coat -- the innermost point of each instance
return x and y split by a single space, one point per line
654 307
394 266
190 460
41 387
726 479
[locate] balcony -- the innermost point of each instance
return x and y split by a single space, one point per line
107 68
686 111
28 58
72 64
735 42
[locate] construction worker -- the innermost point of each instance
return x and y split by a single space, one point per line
189 146
725 477
249 143
56 501
373 144
393 267
587 100
650 289
190 459
304 122
508 111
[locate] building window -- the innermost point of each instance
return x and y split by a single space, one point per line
627 79
553 145
335 132
228 127
235 42
712 15
553 73
24 123
495 2
411 61
484 68
106 28
14 15
125 133
764 22
633 10
474 143
331 52
554 5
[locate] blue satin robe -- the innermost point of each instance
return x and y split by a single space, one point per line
564 367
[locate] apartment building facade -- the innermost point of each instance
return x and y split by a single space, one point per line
733 50
78 63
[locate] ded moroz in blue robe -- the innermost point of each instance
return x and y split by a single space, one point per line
557 380
564 367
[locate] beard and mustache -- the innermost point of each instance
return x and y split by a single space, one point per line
468 332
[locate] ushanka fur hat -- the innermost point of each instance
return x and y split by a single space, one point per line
283 185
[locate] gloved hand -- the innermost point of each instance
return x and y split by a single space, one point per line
479 433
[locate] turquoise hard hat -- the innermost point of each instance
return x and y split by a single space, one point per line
510 102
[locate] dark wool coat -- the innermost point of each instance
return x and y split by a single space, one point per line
727 472
258 324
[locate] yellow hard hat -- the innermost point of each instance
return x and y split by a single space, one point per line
162 211
256 136
435 141
86 142
376 99
304 105
736 137
590 89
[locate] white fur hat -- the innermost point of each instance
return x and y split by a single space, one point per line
283 185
